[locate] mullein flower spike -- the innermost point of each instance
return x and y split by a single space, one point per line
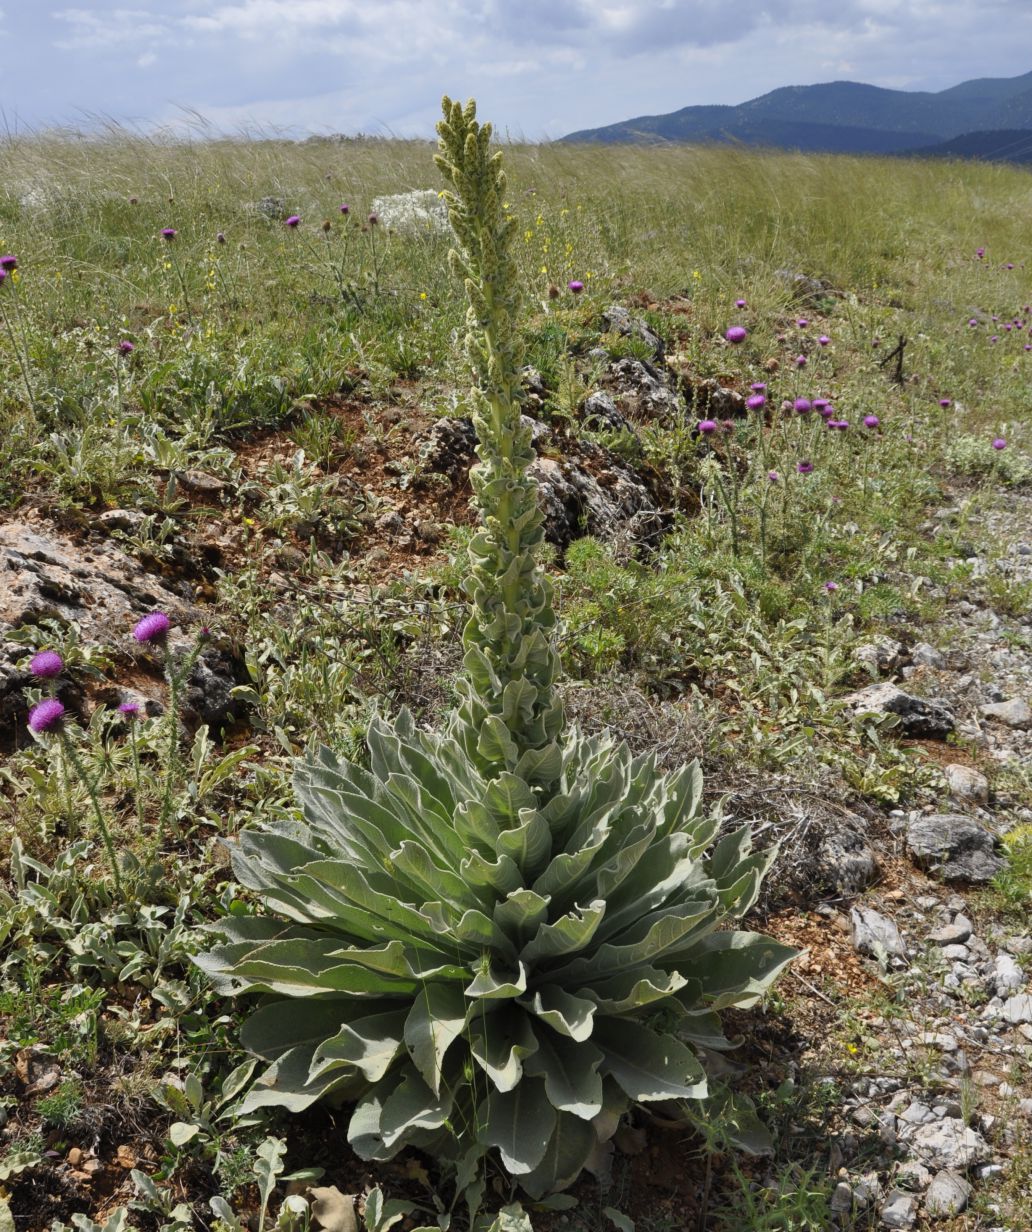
509 716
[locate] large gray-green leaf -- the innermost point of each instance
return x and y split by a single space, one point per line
631 991
568 1150
494 982
568 935
647 1065
276 1027
520 914
735 968
434 1023
412 1106
664 932
569 1015
285 1084
519 1125
368 1044
570 1074
500 1043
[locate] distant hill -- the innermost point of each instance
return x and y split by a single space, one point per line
1001 145
850 117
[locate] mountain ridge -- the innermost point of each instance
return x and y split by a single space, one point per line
845 117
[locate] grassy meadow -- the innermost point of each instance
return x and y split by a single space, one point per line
294 363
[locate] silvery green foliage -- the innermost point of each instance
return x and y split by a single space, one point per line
497 937
481 966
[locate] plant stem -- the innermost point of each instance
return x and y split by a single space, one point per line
91 789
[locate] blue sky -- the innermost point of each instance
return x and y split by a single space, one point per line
538 68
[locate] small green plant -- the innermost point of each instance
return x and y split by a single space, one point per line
62 1109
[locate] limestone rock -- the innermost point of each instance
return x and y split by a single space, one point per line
1012 713
846 861
876 934
947 1195
617 320
954 847
1007 975
881 654
966 785
1018 1009
948 1143
923 655
899 1210
918 716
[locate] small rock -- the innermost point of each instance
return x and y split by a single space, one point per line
1013 713
867 1190
846 862
913 1176
618 320
953 846
1018 1009
937 1039
1025 1108
917 716
881 654
918 1114
948 1194
953 934
74 1157
841 1201
200 481
956 953
128 520
600 411
924 655
899 1210
875 934
948 1143
966 785
1008 976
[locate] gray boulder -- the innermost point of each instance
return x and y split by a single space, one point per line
617 320
966 785
846 861
876 934
918 716
954 847
948 1143
1012 713
947 1195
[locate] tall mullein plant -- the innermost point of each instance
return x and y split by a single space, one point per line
502 934
510 717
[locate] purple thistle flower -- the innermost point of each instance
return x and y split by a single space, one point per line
831 423
802 405
980 253
169 234
125 347
46 715
1009 265
876 342
345 209
575 286
800 361
131 710
999 443
736 334
755 402
871 421
740 303
293 221
773 476
820 403
802 322
826 412
1028 346
373 220
823 340
831 587
47 663
842 424
1008 327
805 467
152 628
973 322
944 403
995 338
8 263
707 425
759 387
